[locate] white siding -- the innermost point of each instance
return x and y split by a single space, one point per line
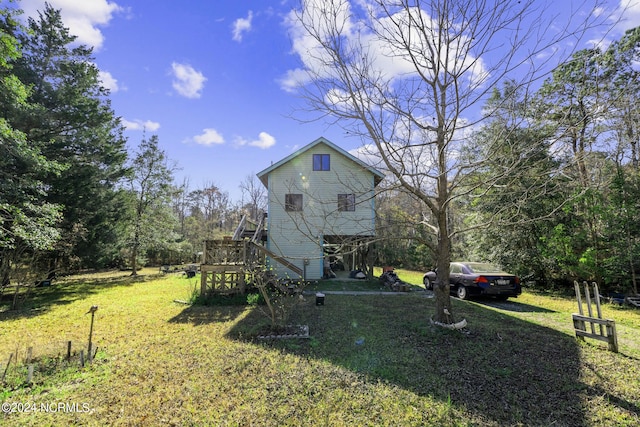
299 235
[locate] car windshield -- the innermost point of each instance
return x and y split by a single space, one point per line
481 267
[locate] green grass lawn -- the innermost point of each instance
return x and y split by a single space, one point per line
370 360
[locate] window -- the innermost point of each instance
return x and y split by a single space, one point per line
321 162
346 202
293 202
455 269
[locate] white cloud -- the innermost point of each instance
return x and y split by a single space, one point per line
625 15
187 81
371 33
137 124
209 137
294 79
83 18
264 141
241 26
629 14
108 81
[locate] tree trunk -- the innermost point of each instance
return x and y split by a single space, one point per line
134 253
631 264
370 260
441 286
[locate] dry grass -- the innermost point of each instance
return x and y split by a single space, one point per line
370 361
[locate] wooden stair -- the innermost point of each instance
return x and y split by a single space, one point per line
259 234
248 229
278 259
237 235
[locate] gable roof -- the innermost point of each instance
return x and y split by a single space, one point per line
378 176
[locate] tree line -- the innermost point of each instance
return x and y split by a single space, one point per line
566 201
554 198
71 196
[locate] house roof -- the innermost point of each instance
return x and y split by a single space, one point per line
378 176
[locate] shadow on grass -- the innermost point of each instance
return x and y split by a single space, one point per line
41 299
503 372
354 285
345 285
202 315
512 305
621 403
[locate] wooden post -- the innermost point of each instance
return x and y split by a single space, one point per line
606 327
92 310
7 368
598 309
577 287
82 358
577 324
612 335
587 296
30 373
203 282
68 350
29 355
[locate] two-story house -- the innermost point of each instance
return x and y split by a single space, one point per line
319 198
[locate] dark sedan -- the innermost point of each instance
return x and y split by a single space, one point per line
477 278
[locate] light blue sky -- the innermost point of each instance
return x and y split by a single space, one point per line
210 79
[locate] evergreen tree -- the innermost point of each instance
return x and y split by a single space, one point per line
72 119
510 218
622 77
28 222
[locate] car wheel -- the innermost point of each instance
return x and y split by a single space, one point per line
461 292
427 283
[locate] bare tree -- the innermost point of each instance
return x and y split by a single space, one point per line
180 203
409 78
254 196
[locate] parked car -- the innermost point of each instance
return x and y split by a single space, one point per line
477 278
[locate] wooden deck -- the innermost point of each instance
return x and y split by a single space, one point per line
225 266
228 265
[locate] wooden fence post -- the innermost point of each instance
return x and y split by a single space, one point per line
7 368
92 310
30 373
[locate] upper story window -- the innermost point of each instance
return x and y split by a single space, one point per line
346 202
293 202
321 162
